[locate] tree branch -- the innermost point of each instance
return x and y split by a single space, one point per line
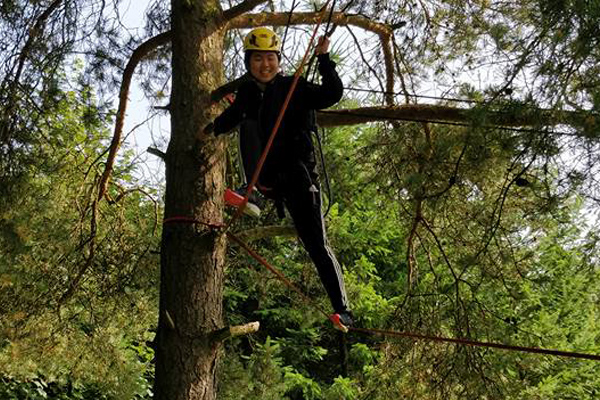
144 192
156 152
10 83
307 18
281 19
386 46
35 31
240 9
267 231
138 54
463 116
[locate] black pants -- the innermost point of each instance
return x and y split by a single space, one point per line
297 185
304 206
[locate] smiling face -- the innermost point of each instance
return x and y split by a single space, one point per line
264 65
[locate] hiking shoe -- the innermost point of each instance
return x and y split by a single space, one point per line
342 320
235 199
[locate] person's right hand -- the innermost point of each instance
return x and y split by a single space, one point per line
322 45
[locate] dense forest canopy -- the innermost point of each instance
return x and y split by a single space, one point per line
462 163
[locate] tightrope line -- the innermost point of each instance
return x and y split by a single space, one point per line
379 332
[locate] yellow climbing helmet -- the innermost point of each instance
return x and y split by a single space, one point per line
262 39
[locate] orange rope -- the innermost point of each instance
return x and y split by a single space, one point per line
381 332
474 343
279 275
411 335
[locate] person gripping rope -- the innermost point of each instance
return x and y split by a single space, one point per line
289 173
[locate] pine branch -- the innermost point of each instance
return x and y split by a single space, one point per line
34 32
267 231
458 116
10 83
240 9
307 18
138 54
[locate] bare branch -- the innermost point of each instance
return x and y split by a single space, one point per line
148 195
364 60
307 18
156 152
386 46
138 54
240 9
447 114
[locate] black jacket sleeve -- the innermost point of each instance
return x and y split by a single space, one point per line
330 90
232 116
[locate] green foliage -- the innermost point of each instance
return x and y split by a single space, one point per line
342 388
300 386
471 231
39 389
487 250
258 376
76 296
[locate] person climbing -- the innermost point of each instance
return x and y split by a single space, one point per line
289 174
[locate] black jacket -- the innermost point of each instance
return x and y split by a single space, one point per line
256 111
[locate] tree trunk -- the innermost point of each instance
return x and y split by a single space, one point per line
192 255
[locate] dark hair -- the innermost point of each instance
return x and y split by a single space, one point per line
248 54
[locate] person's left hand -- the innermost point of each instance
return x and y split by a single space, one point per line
322 45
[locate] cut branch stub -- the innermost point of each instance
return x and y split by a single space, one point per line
239 330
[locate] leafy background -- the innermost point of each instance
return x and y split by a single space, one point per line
460 231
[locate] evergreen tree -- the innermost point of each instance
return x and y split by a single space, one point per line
454 217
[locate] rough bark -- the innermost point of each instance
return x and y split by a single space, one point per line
192 256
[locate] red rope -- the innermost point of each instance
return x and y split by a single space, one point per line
380 332
389 333
474 343
267 148
279 275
